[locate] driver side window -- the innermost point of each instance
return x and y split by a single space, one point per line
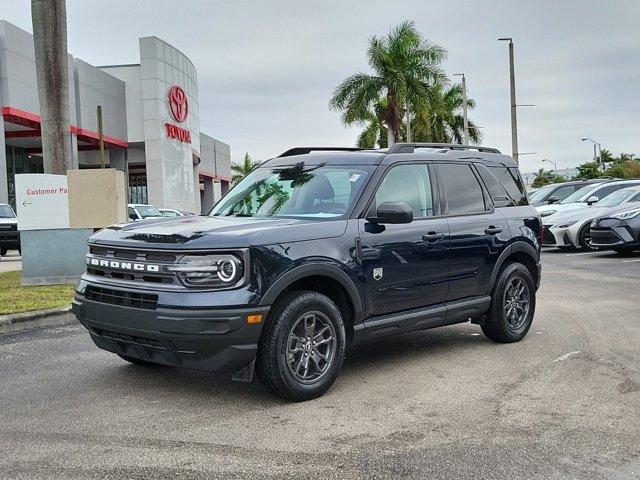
410 184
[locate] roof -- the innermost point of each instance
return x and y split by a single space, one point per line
399 152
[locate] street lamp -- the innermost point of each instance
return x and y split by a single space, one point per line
512 85
599 157
555 165
464 107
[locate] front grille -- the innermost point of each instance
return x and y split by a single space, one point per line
604 237
547 236
146 301
111 262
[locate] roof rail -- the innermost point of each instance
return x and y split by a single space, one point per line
304 150
404 147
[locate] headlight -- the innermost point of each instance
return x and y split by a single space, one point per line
214 270
546 213
626 215
567 224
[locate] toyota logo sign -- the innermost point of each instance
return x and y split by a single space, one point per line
178 103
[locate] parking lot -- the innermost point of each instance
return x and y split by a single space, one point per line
444 403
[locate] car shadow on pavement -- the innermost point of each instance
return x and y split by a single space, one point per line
196 387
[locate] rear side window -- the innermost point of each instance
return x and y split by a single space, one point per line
461 188
604 191
499 195
510 179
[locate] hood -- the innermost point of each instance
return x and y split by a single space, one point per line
574 215
604 213
203 232
560 207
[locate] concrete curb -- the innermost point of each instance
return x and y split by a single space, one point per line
17 322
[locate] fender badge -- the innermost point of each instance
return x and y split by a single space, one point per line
377 273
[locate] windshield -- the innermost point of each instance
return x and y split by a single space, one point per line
147 211
298 191
616 198
541 193
581 194
6 212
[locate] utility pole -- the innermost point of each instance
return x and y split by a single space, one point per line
512 83
596 157
49 18
464 107
408 122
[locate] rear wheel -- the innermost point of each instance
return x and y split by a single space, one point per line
302 347
513 305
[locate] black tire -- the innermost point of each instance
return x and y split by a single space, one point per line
137 361
584 237
497 325
276 359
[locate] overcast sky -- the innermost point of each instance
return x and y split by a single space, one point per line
266 69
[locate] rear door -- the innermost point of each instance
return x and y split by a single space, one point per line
406 266
477 230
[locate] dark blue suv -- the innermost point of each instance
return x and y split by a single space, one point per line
316 250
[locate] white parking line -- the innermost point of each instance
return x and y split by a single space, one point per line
634 260
567 356
581 253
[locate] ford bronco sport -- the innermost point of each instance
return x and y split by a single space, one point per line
313 251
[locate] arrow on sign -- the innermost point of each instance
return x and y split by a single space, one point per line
25 203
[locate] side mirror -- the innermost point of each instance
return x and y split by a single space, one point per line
592 199
393 212
553 199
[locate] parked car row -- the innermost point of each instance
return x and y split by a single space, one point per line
140 211
606 208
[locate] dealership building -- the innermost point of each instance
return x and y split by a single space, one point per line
151 123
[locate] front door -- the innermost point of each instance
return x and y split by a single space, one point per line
406 266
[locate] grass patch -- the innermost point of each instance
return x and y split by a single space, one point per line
14 298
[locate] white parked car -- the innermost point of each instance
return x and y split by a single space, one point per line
9 235
140 211
570 229
585 197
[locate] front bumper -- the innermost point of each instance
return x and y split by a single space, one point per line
552 236
611 232
10 240
215 340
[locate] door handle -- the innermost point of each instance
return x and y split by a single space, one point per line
491 230
432 236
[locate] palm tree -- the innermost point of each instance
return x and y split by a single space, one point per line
375 131
441 119
241 171
405 65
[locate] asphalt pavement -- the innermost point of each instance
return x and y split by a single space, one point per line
11 261
444 403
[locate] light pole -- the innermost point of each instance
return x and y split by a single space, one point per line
512 84
555 165
464 107
599 157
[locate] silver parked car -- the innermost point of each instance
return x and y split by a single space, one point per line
570 229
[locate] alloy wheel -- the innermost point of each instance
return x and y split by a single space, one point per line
311 347
517 299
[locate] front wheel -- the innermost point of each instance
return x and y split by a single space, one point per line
302 347
513 305
585 239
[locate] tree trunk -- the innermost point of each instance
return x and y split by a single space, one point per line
49 19
393 120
